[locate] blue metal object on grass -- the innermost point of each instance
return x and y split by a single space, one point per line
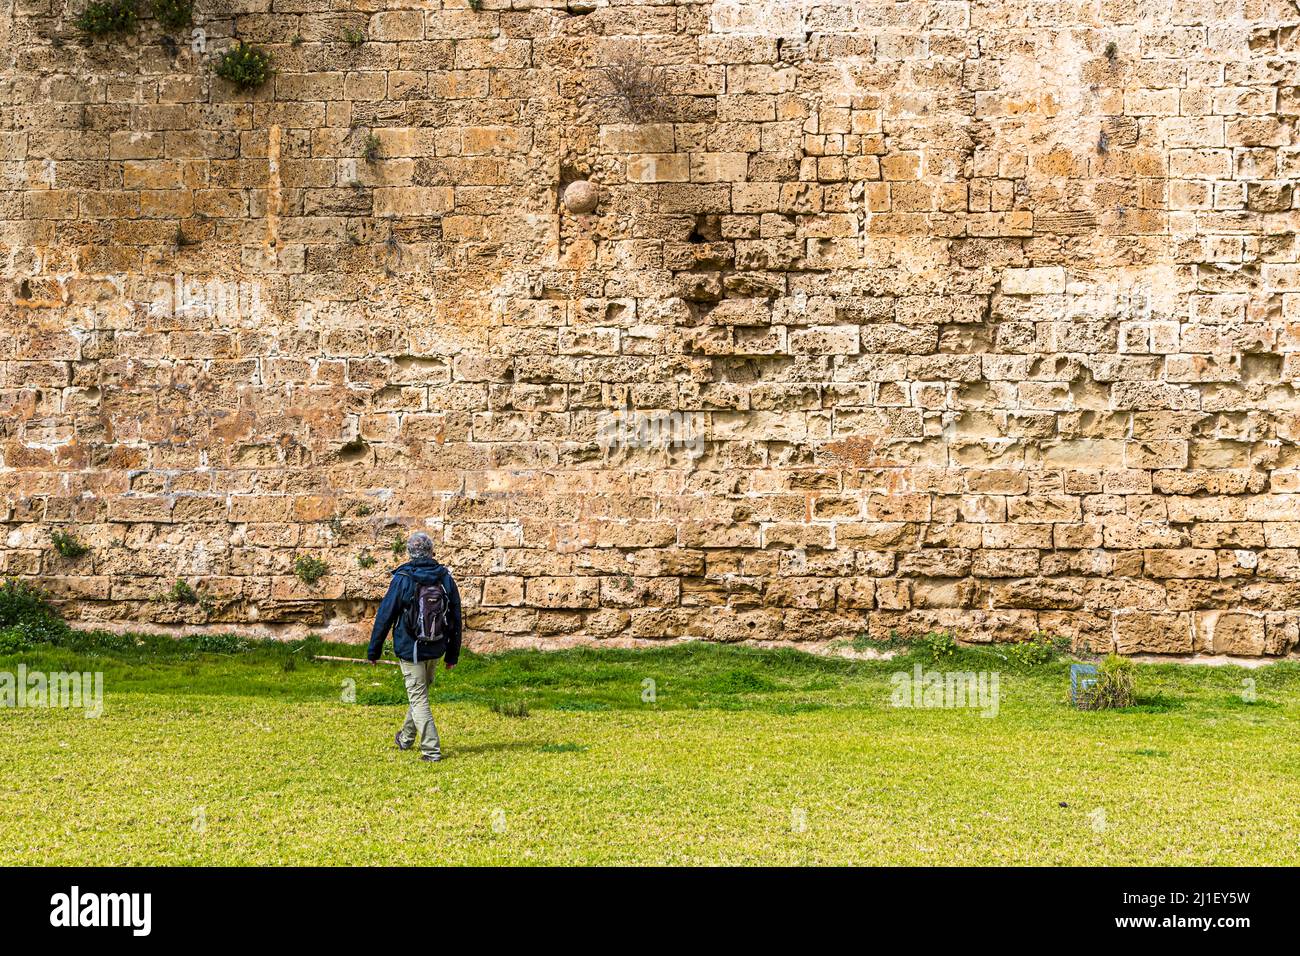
1082 677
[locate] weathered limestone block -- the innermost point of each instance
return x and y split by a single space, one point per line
1230 632
936 562
1140 632
554 592
1181 563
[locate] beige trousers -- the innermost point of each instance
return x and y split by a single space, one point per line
419 717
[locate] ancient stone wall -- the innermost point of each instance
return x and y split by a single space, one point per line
889 315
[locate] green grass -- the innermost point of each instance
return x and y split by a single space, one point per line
713 762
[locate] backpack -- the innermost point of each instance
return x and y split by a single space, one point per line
426 618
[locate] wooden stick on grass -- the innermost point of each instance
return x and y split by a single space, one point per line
351 660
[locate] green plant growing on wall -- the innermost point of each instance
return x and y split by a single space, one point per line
103 17
353 38
247 67
67 545
181 593
399 546
309 569
476 5
370 148
173 14
366 560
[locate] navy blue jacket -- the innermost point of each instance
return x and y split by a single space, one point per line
400 594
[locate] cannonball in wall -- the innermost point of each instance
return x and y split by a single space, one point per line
581 197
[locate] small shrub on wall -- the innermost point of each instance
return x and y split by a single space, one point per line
107 16
246 66
640 90
173 14
309 569
67 545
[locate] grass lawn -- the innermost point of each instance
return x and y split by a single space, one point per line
744 756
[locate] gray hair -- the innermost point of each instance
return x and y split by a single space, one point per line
419 545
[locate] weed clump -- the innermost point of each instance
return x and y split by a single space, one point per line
938 645
107 16
1041 648
13 641
181 593
564 748
309 568
26 617
639 89
246 66
173 14
67 545
1114 688
518 708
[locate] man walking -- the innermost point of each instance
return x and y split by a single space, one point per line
422 607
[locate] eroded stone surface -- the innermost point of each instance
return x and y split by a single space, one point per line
893 316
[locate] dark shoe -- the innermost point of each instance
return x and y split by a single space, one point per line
401 746
431 758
